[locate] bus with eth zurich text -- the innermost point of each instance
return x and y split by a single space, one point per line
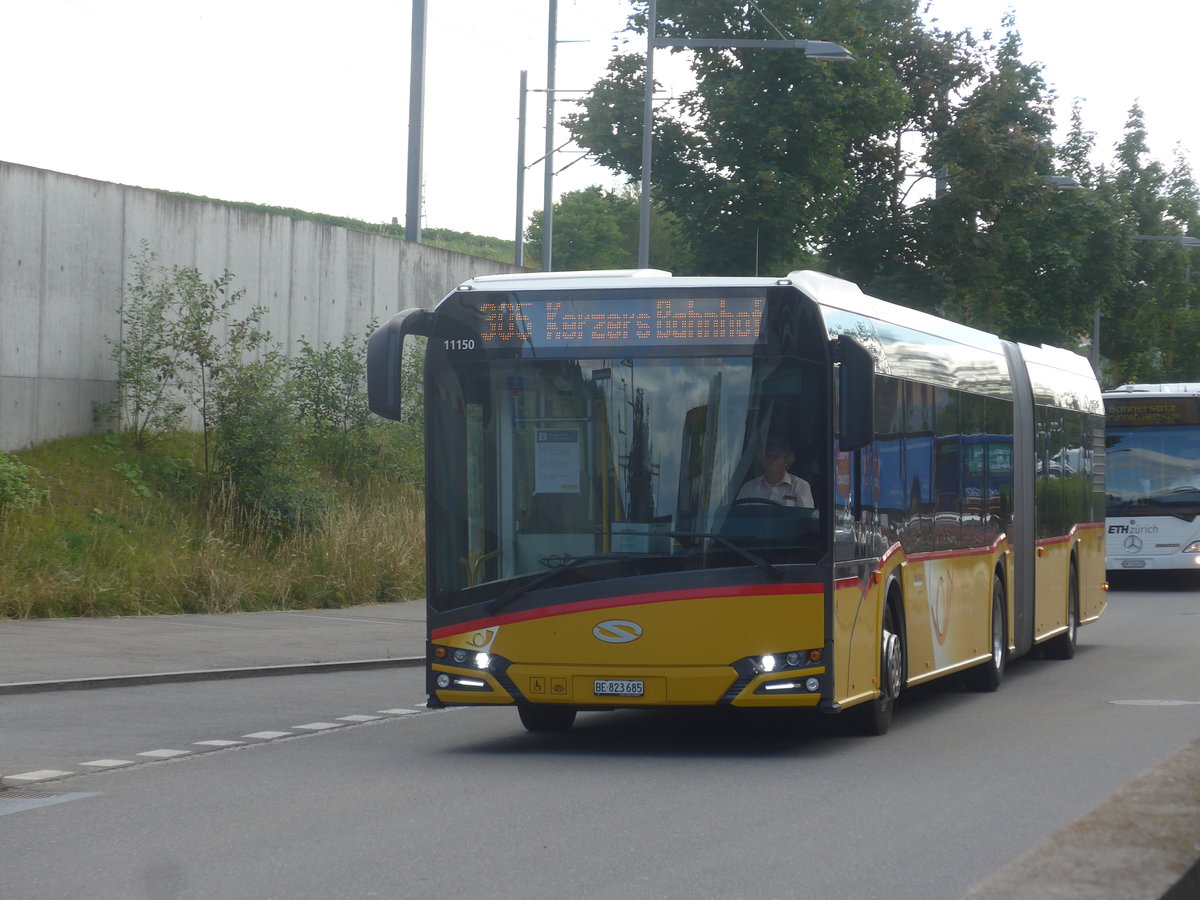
598 537
1152 458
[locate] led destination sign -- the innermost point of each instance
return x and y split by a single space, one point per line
625 322
1147 411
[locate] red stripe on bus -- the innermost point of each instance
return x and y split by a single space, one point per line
1064 538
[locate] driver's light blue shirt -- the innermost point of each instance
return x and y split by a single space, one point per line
791 491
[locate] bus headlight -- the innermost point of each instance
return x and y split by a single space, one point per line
462 657
1193 547
780 662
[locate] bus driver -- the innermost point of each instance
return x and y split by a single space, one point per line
776 483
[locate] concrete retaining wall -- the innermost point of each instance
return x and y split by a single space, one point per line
65 248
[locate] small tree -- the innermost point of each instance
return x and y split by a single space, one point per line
179 336
147 402
327 387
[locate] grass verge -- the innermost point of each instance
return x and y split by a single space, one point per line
122 532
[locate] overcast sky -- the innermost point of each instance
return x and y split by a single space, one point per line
305 105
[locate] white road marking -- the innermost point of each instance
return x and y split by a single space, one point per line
39 775
1155 702
165 753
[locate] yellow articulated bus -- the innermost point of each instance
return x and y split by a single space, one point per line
647 491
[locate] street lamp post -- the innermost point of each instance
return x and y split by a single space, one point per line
818 50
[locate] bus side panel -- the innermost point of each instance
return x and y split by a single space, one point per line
1053 578
919 639
948 611
1092 597
1051 571
856 619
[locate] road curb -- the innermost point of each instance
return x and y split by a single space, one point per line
108 681
1144 842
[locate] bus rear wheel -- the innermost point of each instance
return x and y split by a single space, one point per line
541 719
1063 646
987 676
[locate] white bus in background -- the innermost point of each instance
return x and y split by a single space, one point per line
1152 462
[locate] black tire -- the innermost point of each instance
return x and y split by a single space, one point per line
1063 646
875 716
987 676
544 719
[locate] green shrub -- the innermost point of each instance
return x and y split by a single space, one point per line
16 488
256 440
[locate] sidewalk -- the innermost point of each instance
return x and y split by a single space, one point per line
56 654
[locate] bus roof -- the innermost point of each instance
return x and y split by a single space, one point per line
1162 389
832 293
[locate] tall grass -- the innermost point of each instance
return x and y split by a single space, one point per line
123 532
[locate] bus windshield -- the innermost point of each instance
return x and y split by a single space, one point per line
608 467
1153 470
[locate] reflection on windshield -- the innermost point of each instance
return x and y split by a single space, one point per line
616 466
1150 468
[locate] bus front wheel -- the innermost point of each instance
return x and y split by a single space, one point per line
875 716
541 719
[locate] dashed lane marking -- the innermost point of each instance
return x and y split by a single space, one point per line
209 745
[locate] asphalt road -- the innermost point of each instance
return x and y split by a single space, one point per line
463 803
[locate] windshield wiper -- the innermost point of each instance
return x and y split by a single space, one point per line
504 599
745 554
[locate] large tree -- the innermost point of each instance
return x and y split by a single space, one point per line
764 154
773 162
598 229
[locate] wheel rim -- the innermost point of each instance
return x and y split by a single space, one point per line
1073 611
892 664
892 645
997 635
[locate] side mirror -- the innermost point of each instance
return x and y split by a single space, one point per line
385 356
856 393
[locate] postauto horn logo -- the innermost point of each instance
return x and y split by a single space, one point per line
617 631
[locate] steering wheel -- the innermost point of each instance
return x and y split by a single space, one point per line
743 501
